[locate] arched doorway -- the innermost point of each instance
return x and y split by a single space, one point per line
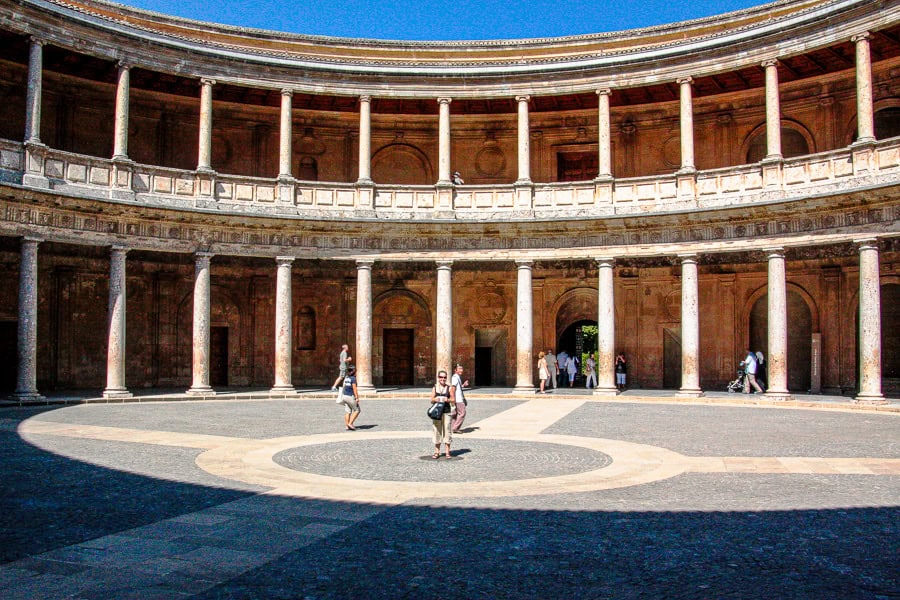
579 340
799 337
402 323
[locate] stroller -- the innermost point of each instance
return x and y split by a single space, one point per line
738 384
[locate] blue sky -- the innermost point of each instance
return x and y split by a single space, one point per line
443 19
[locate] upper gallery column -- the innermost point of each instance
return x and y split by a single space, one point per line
604 142
869 324
123 87
776 370
364 325
444 141
690 328
283 325
115 348
365 140
524 136
285 133
26 373
204 154
773 111
865 116
524 327
444 317
200 344
33 94
606 328
687 125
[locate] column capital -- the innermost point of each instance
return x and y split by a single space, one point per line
769 62
119 248
774 252
524 263
688 257
31 239
202 258
605 261
124 64
205 81
36 40
866 243
444 100
285 260
685 80
287 92
365 263
443 264
365 98
860 37
604 91
521 99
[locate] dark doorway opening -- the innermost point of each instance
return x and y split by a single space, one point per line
218 356
671 359
8 356
578 340
398 357
484 366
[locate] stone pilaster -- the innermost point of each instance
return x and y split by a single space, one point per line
869 324
364 326
777 361
283 326
773 112
606 328
116 317
690 328
524 328
524 132
444 141
200 362
26 373
444 317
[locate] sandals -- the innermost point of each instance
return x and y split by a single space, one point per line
436 455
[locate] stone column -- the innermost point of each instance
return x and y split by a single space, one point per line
120 144
283 325
865 115
284 136
116 320
773 112
444 317
444 141
364 325
604 141
365 140
200 383
524 136
687 126
33 94
690 328
869 324
524 328
204 155
776 362
26 374
606 328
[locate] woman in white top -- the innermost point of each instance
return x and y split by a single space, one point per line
440 428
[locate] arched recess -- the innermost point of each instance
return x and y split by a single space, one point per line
402 164
886 120
574 306
802 322
225 339
307 169
796 140
305 328
890 336
403 339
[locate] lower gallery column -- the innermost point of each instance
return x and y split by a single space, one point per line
283 325
443 330
690 328
606 328
200 384
364 325
776 370
524 328
26 374
869 324
115 348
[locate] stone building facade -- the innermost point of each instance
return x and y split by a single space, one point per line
195 206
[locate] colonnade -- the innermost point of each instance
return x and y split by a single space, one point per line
865 120
869 333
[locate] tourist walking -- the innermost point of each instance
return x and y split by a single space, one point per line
590 371
621 367
750 365
571 369
456 388
441 433
553 369
349 397
543 372
344 359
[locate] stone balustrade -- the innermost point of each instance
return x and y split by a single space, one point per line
837 171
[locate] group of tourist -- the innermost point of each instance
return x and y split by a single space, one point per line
550 366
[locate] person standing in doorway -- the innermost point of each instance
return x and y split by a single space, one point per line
552 368
590 371
621 371
350 399
345 359
561 359
456 390
571 369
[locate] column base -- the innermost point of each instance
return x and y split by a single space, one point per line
28 398
117 393
200 390
605 391
524 390
873 399
283 389
366 390
690 393
777 396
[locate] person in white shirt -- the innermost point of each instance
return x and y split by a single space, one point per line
590 371
456 390
750 365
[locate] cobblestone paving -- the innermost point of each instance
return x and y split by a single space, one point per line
115 504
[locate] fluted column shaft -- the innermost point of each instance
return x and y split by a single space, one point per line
364 325
204 152
869 324
524 137
116 338
365 139
444 140
285 134
524 327
690 327
865 114
687 125
606 328
26 373
200 353
776 362
444 317
604 162
773 111
123 87
283 325
33 93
